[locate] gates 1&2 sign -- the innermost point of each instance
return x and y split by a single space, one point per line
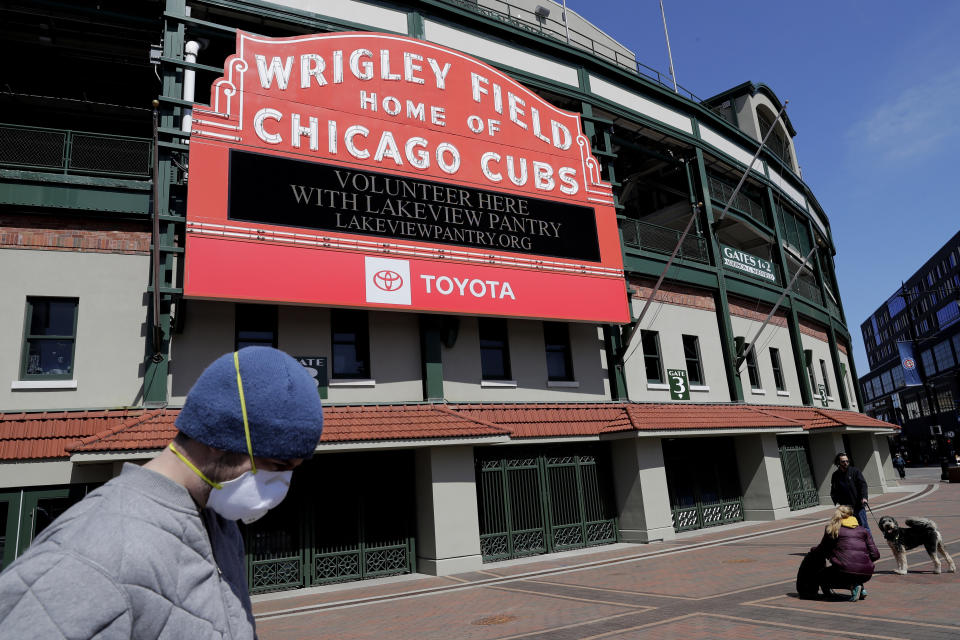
369 170
748 263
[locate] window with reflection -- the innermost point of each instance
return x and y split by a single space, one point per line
50 335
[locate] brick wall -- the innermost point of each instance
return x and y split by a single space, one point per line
813 329
74 234
755 310
672 293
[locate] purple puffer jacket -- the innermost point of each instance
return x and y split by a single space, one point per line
853 551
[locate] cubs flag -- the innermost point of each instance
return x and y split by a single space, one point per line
910 374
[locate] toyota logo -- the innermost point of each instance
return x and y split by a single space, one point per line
387 280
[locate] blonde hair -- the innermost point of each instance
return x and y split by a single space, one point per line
843 511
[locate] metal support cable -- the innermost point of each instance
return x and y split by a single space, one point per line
663 274
756 155
749 348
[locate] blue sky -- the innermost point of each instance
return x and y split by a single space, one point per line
874 91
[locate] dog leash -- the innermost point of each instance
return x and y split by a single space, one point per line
874 515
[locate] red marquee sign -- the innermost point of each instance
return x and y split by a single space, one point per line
377 171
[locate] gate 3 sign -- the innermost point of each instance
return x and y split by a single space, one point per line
679 388
370 170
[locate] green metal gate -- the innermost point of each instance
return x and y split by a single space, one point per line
703 482
348 517
795 457
539 501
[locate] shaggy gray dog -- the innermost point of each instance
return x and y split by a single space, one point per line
918 531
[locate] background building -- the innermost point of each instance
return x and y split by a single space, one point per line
923 313
451 438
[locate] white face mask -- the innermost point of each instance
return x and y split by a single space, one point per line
249 496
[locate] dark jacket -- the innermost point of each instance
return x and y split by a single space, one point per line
848 487
852 551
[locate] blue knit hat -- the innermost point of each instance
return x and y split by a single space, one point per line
283 406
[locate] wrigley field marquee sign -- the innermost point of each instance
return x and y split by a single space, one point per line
378 171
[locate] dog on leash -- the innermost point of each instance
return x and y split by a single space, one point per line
918 531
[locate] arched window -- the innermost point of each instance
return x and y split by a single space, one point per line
779 141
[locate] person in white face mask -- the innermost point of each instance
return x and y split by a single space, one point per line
156 552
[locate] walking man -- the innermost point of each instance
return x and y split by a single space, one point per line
156 551
899 465
848 486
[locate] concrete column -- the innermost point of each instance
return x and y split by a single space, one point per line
640 483
866 457
824 447
890 474
448 525
761 477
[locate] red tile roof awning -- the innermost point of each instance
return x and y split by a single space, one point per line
545 420
52 434
340 424
402 422
36 436
670 417
821 418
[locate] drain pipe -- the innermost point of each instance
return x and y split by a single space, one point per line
190 51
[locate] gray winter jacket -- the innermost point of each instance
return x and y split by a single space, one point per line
131 560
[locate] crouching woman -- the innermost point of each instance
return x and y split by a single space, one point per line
851 552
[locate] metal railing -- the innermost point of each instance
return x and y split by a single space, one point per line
527 20
807 287
833 307
651 237
74 152
721 192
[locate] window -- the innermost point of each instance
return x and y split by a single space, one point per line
945 401
777 369
778 143
351 344
851 396
650 341
753 371
813 376
826 379
50 333
556 338
948 314
494 349
913 410
887 378
928 366
898 379
943 355
691 353
924 406
255 325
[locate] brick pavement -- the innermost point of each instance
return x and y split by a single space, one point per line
728 582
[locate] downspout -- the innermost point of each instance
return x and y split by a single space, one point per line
190 51
156 332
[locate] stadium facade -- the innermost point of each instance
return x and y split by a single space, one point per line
454 214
